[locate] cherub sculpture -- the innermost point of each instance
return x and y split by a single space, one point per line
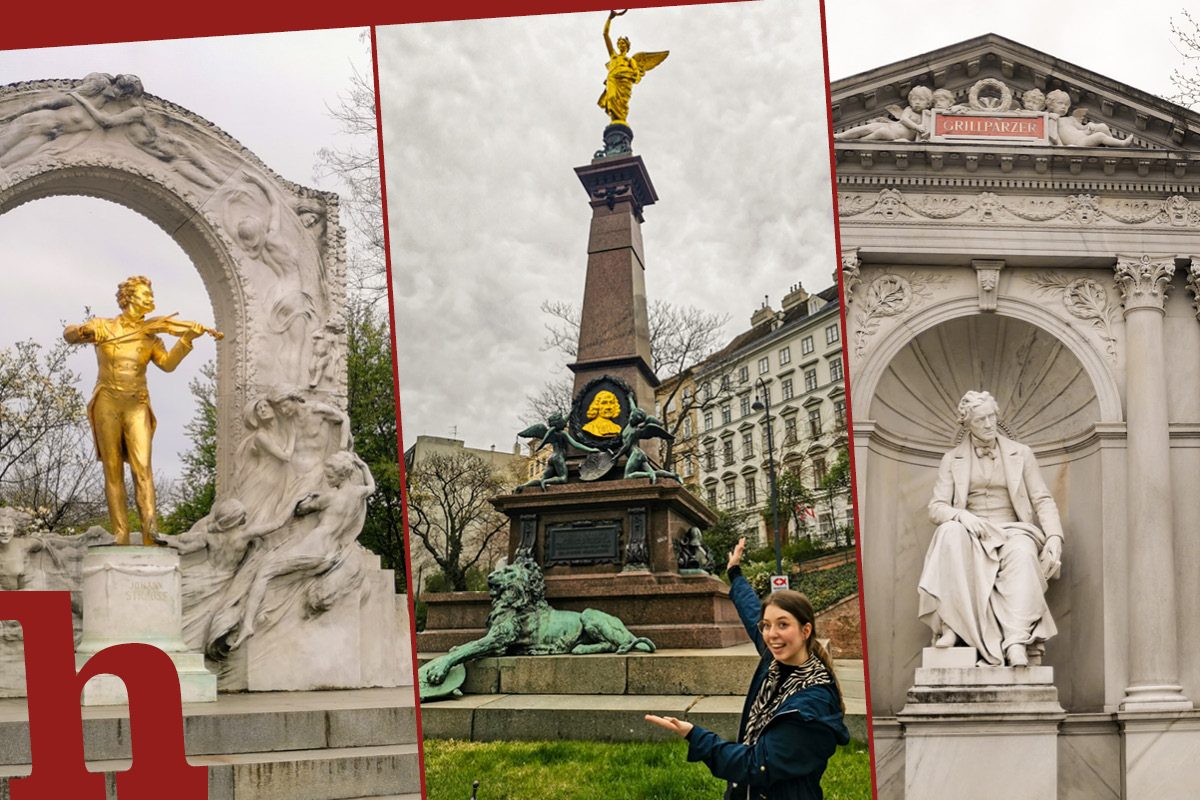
639 427
552 432
624 71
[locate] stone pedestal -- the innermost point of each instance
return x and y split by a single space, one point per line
607 545
988 733
133 594
1159 755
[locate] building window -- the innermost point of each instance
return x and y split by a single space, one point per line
744 374
835 370
687 397
724 384
789 430
744 405
814 422
687 467
706 390
687 427
832 334
839 414
764 365
819 470
708 421
731 493
825 524
786 386
712 496
810 380
726 414
806 345
785 356
727 451
710 458
747 444
751 492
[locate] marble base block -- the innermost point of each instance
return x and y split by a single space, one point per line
988 733
1160 755
133 594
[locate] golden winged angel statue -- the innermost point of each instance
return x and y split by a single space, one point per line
624 71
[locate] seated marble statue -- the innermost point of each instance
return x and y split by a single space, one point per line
997 543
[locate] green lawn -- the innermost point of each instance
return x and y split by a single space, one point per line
590 770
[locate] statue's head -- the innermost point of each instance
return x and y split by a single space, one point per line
135 293
978 411
637 417
1034 100
557 421
920 98
339 467
128 85
228 514
517 585
13 522
94 84
623 44
605 404
286 400
1058 101
943 99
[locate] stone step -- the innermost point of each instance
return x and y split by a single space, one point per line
595 717
322 774
242 723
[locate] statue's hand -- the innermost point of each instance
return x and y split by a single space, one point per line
973 524
1051 558
194 331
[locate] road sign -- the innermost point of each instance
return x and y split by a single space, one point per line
779 583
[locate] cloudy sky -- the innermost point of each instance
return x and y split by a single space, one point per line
270 92
484 122
1128 43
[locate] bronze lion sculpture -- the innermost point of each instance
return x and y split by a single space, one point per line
521 622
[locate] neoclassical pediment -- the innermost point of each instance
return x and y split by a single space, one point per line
988 76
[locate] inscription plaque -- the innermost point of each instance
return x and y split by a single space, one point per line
584 542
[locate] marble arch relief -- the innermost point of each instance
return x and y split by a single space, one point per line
270 252
276 589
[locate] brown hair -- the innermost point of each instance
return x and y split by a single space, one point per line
796 604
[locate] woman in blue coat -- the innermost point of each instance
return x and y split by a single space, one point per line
793 718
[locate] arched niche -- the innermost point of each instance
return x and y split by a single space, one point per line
1048 399
270 252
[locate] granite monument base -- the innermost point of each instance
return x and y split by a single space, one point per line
989 733
608 545
133 594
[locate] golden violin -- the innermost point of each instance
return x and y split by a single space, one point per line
176 327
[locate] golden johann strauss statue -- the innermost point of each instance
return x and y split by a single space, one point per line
624 71
119 412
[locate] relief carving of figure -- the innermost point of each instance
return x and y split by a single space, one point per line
264 478
16 546
998 542
58 117
339 507
220 542
323 363
908 124
1074 129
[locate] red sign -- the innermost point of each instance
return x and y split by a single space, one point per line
779 583
977 125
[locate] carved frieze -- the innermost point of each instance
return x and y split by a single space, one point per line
1084 299
1076 210
851 272
1143 280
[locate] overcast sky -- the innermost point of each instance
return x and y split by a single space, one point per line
484 122
270 92
1126 42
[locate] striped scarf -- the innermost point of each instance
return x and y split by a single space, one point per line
775 689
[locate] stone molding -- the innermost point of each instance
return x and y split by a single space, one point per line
987 275
1076 210
851 273
1143 280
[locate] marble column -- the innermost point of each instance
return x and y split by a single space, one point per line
1153 649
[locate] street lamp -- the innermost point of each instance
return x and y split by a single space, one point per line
763 403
